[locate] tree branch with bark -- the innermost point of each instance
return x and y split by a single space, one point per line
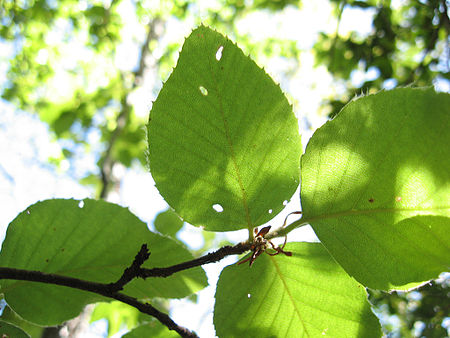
135 270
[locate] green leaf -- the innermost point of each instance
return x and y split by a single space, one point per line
224 146
154 329
305 295
376 187
9 330
91 240
117 314
9 316
168 223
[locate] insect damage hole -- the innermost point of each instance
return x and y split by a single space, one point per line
217 207
81 204
203 90
219 53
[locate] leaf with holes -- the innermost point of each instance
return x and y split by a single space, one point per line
91 240
376 187
224 146
305 295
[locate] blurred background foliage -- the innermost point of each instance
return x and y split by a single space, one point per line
90 70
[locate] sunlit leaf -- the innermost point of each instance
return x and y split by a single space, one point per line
305 295
91 240
153 329
168 223
117 314
376 187
224 146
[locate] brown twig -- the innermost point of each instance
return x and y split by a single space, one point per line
211 257
98 288
133 271
111 290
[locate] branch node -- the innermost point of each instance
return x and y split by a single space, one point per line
133 271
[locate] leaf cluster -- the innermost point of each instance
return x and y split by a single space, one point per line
225 153
406 45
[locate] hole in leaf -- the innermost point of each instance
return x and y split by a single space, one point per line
28 212
270 211
217 207
285 202
203 90
81 204
219 53
248 295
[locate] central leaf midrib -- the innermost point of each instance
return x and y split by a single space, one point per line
230 144
291 298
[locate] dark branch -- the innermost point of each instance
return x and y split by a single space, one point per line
149 309
111 290
133 271
98 288
208 258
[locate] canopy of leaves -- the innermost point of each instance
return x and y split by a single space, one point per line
421 313
408 44
87 93
80 98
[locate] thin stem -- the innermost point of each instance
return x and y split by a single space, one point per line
250 235
284 231
206 259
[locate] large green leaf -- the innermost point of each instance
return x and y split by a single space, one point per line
376 187
91 240
305 295
224 147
